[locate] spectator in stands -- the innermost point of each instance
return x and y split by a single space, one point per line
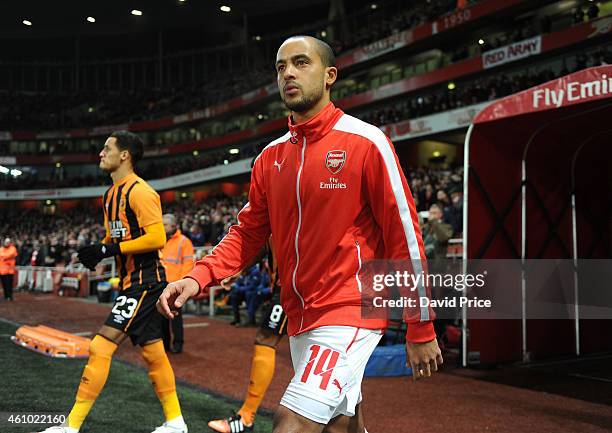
436 233
217 228
36 259
25 252
196 236
245 289
72 242
606 56
54 253
428 197
456 194
443 201
581 61
593 10
8 254
578 15
83 238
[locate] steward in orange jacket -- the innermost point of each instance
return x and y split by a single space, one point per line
8 253
177 258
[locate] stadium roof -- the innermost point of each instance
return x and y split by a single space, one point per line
68 17
186 25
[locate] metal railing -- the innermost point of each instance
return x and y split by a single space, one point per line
42 278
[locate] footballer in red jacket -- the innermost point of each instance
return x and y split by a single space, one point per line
332 194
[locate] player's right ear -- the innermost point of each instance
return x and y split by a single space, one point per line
331 74
124 155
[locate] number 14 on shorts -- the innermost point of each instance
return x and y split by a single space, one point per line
323 363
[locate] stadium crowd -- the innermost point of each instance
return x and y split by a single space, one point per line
44 239
51 239
84 109
48 111
477 90
47 239
150 169
404 108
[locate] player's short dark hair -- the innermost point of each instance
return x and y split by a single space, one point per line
131 142
325 51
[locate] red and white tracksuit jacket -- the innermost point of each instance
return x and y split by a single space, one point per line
332 193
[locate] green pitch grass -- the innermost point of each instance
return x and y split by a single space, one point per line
30 382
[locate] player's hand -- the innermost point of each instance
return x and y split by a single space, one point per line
423 358
226 283
175 295
91 255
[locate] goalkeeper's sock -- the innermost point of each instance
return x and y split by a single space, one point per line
262 371
94 377
162 376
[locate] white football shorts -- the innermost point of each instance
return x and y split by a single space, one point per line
329 363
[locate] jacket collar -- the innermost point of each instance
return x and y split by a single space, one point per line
316 127
177 234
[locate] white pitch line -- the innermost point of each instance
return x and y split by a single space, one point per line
10 322
196 325
565 361
82 334
584 376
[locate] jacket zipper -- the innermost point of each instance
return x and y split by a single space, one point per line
359 269
297 232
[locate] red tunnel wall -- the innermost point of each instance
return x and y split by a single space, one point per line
495 159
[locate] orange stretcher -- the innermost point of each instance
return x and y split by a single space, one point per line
51 342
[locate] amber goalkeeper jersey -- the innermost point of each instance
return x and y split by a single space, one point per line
129 207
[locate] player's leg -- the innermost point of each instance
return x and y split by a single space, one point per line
288 421
147 333
95 373
9 287
346 424
262 372
162 376
272 330
167 333
7 281
177 333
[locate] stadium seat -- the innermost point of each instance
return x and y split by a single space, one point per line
454 249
